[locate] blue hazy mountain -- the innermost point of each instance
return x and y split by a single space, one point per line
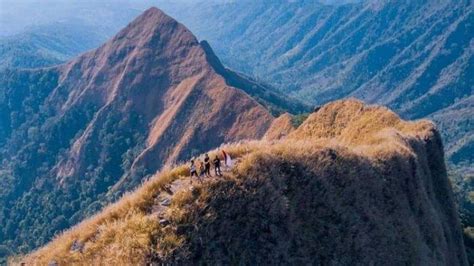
48 45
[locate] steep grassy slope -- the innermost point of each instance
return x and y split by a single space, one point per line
353 184
276 101
280 128
414 56
76 136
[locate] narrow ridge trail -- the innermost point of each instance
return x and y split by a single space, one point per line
164 199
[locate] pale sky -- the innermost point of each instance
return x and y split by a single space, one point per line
18 15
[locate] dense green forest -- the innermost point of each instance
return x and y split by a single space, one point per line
34 137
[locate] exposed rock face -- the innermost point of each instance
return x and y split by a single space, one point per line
354 184
101 122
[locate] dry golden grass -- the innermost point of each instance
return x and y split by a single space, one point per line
371 130
123 241
121 233
352 122
280 127
125 233
113 221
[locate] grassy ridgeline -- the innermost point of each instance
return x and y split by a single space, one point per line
352 183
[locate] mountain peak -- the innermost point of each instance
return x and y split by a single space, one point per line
154 15
156 27
155 11
146 98
156 69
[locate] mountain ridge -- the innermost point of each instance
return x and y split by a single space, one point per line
340 188
74 137
96 126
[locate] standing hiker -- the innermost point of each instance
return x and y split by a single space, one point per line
217 166
202 170
227 160
192 170
207 165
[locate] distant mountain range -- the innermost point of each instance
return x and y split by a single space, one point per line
48 45
413 56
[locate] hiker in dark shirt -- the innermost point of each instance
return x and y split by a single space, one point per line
217 166
207 165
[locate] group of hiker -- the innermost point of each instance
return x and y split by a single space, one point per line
202 168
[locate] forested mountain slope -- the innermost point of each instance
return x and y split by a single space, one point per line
142 97
48 45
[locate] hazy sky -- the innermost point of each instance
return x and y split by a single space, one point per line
18 15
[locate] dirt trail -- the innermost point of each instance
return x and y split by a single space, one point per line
164 198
